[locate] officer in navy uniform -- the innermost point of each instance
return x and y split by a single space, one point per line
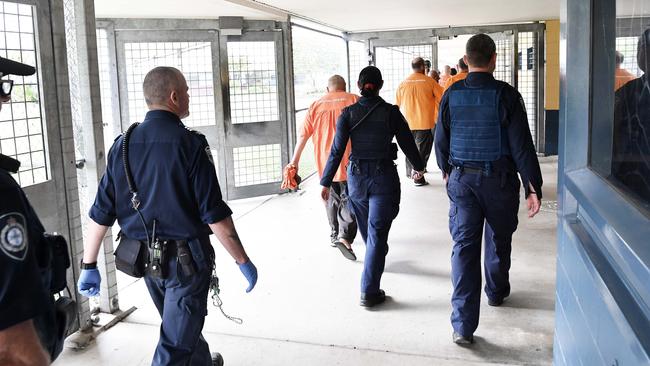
484 141
24 299
177 188
373 182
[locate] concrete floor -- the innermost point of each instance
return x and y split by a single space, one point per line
304 310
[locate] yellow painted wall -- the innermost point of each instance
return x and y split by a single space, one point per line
552 92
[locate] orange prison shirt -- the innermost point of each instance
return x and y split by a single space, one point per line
622 77
455 78
419 97
320 124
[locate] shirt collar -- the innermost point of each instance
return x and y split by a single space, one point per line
369 100
477 78
162 114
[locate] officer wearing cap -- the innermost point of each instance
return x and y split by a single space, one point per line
482 145
373 182
167 198
24 301
631 140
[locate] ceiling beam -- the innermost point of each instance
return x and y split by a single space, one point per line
274 10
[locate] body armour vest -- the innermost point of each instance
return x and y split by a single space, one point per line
476 131
372 139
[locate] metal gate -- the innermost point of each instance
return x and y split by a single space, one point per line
255 113
35 127
394 58
237 92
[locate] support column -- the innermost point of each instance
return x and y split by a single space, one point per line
89 133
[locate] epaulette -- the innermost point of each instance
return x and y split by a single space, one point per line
194 131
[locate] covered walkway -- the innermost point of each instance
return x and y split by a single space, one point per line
305 309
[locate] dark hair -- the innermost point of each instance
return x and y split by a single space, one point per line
417 63
454 71
462 64
643 51
427 63
370 81
479 50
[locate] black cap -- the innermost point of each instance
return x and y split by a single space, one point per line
370 74
10 67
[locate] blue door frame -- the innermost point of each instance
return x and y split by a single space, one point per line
603 266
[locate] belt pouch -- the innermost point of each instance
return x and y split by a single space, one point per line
131 257
185 258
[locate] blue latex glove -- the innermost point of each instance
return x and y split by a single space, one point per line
250 272
89 281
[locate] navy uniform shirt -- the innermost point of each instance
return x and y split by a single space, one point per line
22 294
513 115
398 126
174 175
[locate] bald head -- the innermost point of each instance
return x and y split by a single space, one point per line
418 65
159 83
336 83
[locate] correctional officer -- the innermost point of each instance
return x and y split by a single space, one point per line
24 300
373 183
482 143
178 192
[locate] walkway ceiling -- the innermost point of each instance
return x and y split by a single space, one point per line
357 15
346 15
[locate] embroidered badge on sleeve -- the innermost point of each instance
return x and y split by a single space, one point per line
13 236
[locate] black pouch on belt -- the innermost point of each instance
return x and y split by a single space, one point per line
131 256
185 258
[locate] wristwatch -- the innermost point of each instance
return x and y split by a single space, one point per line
92 265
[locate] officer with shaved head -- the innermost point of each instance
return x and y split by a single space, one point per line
161 187
320 126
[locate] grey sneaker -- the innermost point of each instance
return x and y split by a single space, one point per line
420 182
463 340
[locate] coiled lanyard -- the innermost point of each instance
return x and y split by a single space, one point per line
135 201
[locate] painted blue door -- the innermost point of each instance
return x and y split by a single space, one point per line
603 271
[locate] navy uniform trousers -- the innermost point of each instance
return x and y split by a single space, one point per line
182 303
374 196
476 198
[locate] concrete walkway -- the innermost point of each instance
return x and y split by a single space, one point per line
304 310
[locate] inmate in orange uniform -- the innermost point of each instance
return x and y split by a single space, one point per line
418 98
622 77
320 124
460 76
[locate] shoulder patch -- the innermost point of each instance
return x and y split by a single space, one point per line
13 236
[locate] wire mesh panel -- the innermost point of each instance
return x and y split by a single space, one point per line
628 46
395 65
105 87
257 164
22 121
253 82
503 70
358 60
527 77
194 59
